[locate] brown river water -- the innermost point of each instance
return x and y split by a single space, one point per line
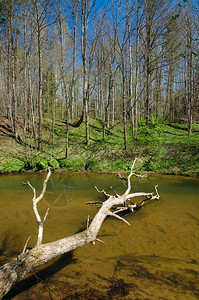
157 257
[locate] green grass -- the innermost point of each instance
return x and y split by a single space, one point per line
164 148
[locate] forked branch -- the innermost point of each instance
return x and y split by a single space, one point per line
36 200
128 179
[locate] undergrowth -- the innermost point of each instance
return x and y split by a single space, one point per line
161 147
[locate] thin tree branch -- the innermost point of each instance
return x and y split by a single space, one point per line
44 186
112 214
25 246
102 192
116 194
46 214
94 202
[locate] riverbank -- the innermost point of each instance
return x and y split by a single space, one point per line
164 148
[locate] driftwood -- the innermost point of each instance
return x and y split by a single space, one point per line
30 259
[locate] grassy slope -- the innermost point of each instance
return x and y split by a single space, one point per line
166 149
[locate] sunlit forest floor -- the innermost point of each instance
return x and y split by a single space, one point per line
164 148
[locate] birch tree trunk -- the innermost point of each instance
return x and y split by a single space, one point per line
84 25
26 116
135 130
75 8
130 70
12 39
63 78
124 107
148 61
40 76
190 87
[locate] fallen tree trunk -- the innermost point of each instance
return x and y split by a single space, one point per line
28 260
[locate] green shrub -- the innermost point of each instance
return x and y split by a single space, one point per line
11 165
40 163
72 164
53 164
150 137
122 165
93 165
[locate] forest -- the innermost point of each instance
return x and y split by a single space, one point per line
110 87
84 78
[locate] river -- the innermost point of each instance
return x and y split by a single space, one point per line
157 257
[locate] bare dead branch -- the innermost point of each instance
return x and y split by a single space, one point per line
33 189
132 208
116 194
139 194
94 202
99 240
44 186
150 197
25 246
121 177
157 194
130 175
46 214
93 242
120 209
139 175
120 218
87 222
23 264
35 200
102 192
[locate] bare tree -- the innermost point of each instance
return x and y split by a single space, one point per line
121 48
136 85
75 4
189 69
148 57
155 14
12 44
42 11
63 76
39 28
85 10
